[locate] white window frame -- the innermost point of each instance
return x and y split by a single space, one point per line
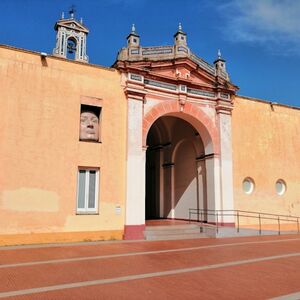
86 209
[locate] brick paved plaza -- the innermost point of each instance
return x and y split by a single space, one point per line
229 268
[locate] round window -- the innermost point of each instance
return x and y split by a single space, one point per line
248 185
280 187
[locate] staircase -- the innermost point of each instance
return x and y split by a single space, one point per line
174 232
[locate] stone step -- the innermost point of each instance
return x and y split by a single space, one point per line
176 237
184 231
171 227
173 232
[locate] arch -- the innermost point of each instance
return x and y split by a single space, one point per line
72 47
157 134
162 132
190 113
165 133
179 143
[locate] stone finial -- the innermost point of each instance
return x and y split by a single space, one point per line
62 15
219 54
219 57
179 27
81 20
133 28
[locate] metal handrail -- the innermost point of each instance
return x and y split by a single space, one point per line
220 214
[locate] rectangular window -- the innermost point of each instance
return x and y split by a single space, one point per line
87 190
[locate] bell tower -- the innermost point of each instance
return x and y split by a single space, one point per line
71 38
180 37
220 66
133 39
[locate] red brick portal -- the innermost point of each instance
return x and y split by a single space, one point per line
192 111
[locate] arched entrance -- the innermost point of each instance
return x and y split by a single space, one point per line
185 165
175 169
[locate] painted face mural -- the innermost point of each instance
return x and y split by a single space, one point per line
89 126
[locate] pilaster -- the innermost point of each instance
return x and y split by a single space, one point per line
224 108
136 158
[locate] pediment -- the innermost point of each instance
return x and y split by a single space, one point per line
183 71
71 24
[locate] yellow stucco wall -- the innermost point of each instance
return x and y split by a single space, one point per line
40 149
266 147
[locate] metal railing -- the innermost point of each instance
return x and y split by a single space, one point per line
218 218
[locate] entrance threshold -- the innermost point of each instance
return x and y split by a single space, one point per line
169 229
165 222
168 222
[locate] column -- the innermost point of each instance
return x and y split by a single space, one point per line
168 190
161 183
212 164
201 188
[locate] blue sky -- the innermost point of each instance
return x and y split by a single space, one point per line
260 39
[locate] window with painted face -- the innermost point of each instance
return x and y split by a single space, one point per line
89 125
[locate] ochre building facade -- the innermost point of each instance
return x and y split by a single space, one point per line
41 151
91 153
266 149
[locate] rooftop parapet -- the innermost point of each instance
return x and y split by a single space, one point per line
135 52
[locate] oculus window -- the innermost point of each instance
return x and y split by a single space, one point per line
248 185
280 187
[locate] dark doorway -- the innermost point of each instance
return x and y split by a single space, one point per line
175 178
